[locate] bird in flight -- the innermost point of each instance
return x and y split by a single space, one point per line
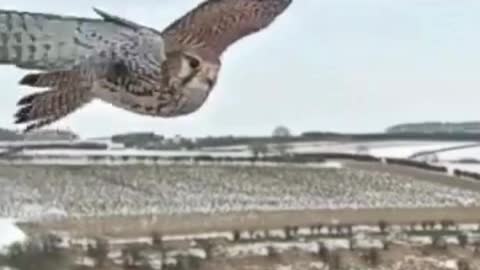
164 73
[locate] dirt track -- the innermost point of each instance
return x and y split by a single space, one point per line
197 223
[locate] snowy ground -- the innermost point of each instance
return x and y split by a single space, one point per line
9 233
459 154
401 149
126 190
394 149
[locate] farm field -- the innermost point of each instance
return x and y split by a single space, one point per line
78 191
197 207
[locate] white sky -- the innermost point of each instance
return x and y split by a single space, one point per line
338 65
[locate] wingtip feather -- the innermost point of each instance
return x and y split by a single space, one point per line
30 79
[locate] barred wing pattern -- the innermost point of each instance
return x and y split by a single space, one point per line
46 41
127 69
214 25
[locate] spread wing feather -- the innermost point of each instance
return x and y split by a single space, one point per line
216 24
46 41
131 67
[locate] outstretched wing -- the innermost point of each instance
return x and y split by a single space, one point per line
127 71
216 24
47 41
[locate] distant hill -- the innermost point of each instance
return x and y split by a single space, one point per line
51 135
436 127
139 139
9 135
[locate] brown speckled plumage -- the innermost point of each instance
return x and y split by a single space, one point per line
134 67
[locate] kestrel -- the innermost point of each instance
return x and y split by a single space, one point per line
131 66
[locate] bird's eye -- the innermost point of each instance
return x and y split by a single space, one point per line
193 62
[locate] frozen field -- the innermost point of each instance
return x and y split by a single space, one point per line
400 149
459 154
30 191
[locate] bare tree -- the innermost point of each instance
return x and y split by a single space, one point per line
281 147
323 252
236 235
383 225
476 247
99 252
335 262
462 240
36 254
281 132
387 244
208 247
288 232
463 264
258 149
373 257
272 253
445 224
439 242
157 239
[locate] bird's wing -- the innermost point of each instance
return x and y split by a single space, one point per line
216 24
142 54
47 41
133 67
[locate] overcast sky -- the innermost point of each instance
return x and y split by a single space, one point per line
338 65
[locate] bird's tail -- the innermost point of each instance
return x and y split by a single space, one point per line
43 108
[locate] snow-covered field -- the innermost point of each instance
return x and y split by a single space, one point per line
394 149
131 152
400 149
459 154
30 191
407 150
397 149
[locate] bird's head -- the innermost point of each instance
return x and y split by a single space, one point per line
194 74
199 70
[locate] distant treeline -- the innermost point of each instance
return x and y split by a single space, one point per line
330 136
436 127
52 146
471 175
393 136
8 135
294 158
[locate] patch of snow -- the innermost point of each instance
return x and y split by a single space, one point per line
245 250
284 267
465 153
405 151
365 228
123 241
9 233
335 243
420 240
468 227
317 265
331 164
226 235
196 252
